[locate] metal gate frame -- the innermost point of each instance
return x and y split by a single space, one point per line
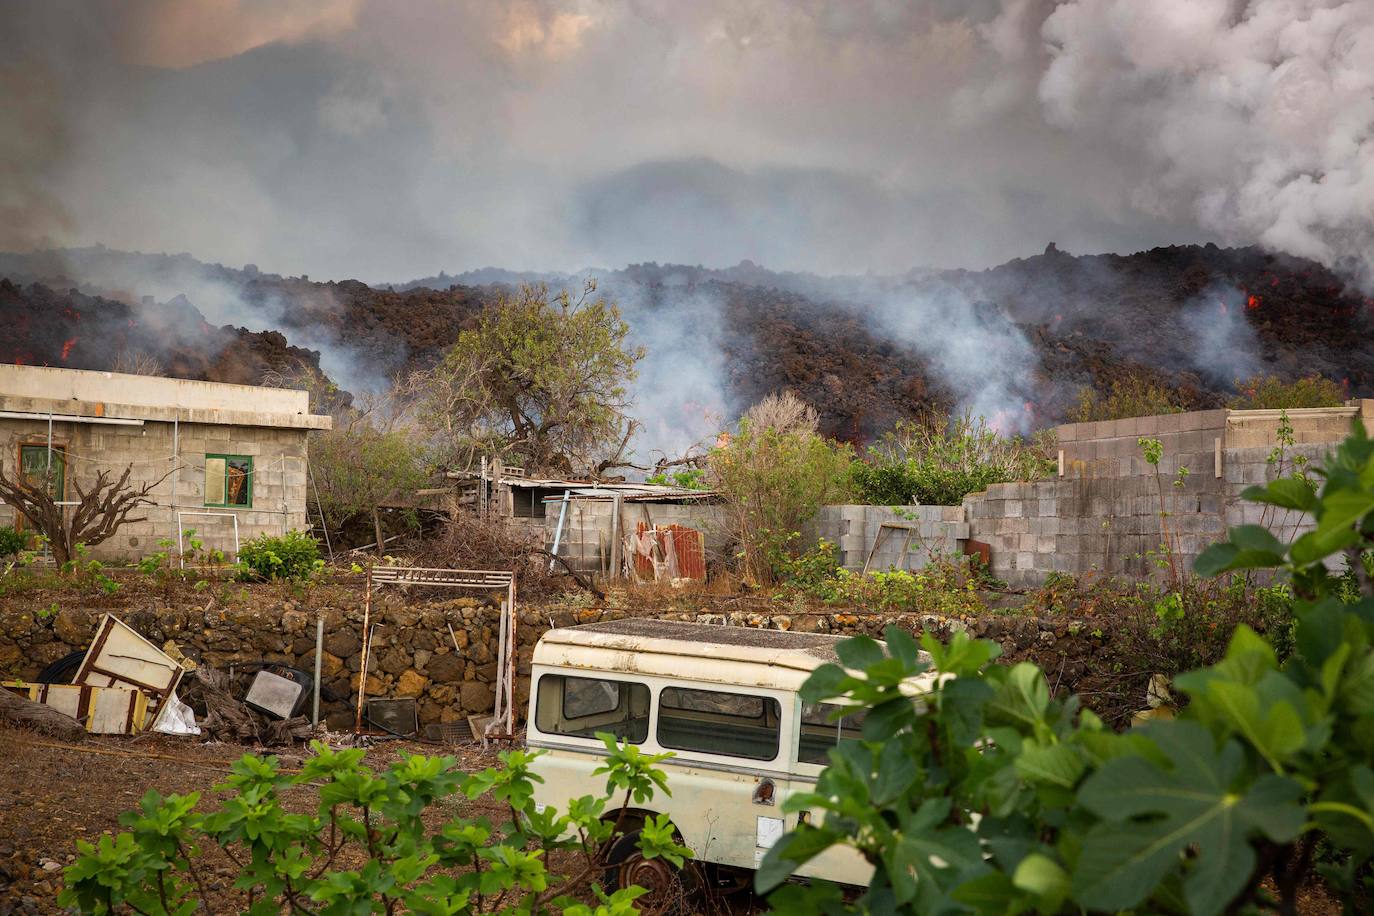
485 580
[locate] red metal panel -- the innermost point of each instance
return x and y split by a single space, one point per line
689 548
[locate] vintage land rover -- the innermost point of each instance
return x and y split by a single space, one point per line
724 701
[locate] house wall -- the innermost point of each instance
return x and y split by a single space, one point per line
278 486
1102 513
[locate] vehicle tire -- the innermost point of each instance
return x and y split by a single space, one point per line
670 889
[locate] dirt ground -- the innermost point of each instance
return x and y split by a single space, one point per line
52 794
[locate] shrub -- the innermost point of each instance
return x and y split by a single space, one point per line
11 541
939 462
294 555
946 585
686 479
993 797
1132 396
1269 392
365 846
773 481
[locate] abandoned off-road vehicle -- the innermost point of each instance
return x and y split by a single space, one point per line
724 701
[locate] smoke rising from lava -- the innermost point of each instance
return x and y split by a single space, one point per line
356 138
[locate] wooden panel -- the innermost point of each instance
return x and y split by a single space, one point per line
101 710
120 657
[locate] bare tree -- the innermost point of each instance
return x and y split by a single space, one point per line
99 511
783 413
137 362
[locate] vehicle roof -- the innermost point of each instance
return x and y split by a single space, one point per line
723 654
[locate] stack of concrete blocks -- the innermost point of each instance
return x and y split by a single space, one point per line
587 529
936 531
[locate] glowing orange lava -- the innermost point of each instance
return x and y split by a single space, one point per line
1253 302
67 347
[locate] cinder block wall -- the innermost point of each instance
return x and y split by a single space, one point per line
935 530
1103 512
279 472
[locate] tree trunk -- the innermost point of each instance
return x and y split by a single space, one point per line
17 710
377 527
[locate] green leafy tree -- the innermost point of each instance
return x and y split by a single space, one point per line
541 381
775 472
358 468
986 794
366 848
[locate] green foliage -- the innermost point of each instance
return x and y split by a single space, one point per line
992 796
541 381
1269 392
809 570
945 585
11 541
773 482
1132 396
687 479
365 847
294 555
939 462
357 468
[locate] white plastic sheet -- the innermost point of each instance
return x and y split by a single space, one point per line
176 718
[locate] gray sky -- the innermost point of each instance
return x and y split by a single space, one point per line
359 138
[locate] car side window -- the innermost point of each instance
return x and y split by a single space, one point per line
581 707
823 728
718 722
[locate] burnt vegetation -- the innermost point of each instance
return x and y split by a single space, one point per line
1091 321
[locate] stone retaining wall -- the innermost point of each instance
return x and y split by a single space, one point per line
415 656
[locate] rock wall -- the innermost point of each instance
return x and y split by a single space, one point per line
452 675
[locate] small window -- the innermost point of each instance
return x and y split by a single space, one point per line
582 706
33 465
821 730
527 502
228 480
717 722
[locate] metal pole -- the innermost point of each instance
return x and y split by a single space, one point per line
47 483
176 473
319 666
558 532
319 507
511 655
362 668
616 536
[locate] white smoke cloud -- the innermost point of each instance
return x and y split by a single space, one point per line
1256 115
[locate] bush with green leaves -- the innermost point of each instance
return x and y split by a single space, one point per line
773 481
294 555
11 541
1134 395
989 795
366 846
1269 392
939 461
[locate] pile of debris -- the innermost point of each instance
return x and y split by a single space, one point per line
125 685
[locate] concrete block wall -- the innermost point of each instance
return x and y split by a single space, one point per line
279 484
1103 513
936 530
